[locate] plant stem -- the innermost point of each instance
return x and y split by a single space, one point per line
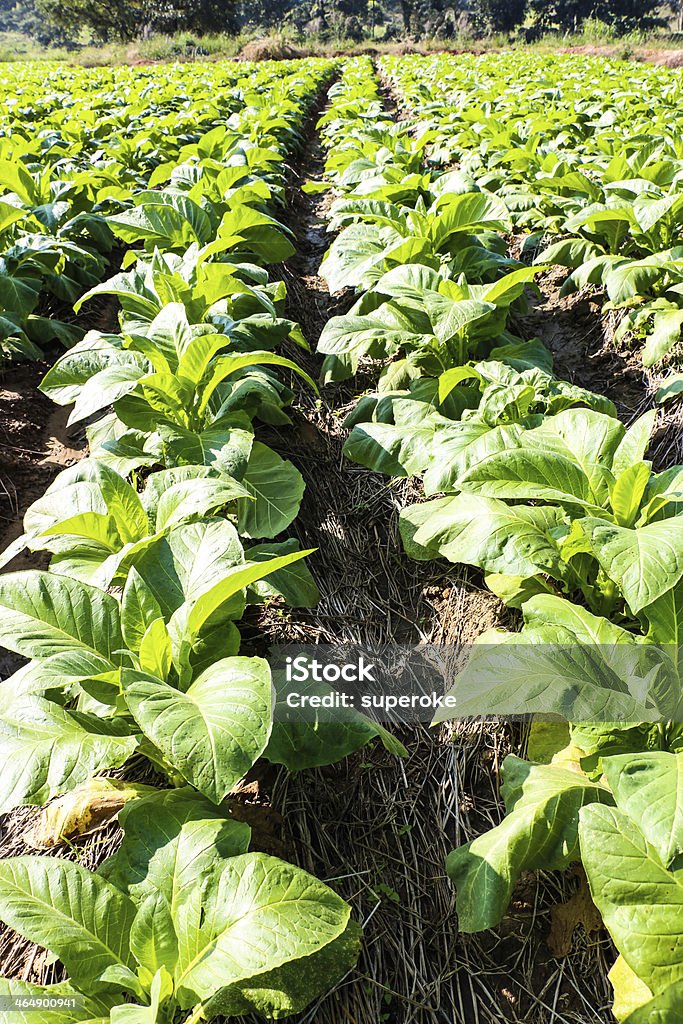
196 1016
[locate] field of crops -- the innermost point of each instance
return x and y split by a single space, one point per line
343 351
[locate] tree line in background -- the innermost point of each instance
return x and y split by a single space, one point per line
68 21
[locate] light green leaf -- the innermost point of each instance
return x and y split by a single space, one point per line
640 901
156 650
75 1006
649 788
666 332
196 496
666 1008
510 539
48 750
153 940
188 561
277 488
645 563
172 838
42 614
265 913
193 617
70 911
530 475
540 832
214 733
290 989
627 492
139 609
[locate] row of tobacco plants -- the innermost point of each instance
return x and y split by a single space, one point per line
158 542
531 479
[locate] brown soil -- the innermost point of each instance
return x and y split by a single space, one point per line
666 57
582 343
34 446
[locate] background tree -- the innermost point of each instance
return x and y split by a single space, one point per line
565 15
620 15
677 9
104 19
254 14
124 20
497 15
625 15
62 21
190 15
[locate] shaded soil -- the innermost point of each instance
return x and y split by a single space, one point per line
35 445
582 343
582 340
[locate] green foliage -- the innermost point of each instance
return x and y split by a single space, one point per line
129 19
146 929
497 15
131 637
527 477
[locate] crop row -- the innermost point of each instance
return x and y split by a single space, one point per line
531 479
76 148
158 542
587 157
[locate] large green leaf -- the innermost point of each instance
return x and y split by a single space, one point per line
213 733
385 448
635 442
173 840
188 498
194 617
42 614
585 436
164 219
139 609
303 739
540 832
277 488
512 539
287 990
153 939
566 661
225 445
466 213
644 562
649 788
640 901
188 561
264 914
530 475
48 750
69 910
